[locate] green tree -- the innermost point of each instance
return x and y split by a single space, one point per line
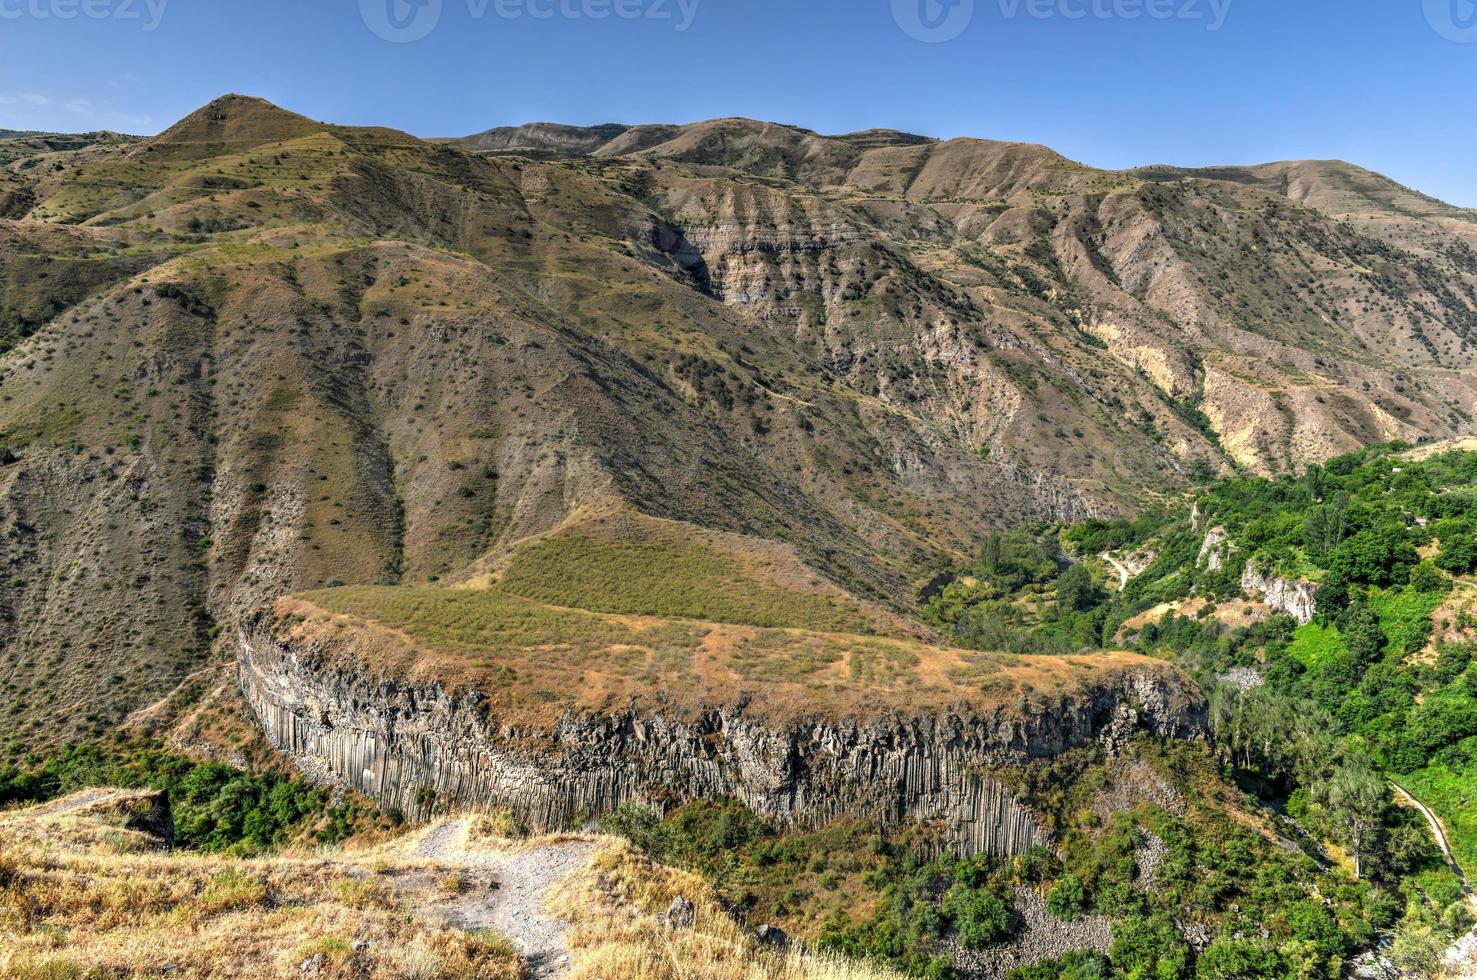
992 553
980 917
1313 479
1363 636
1459 557
1076 591
1238 959
1355 797
1324 527
1417 951
1067 898
1148 948
1378 556
1426 578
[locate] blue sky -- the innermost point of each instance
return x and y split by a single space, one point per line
1388 84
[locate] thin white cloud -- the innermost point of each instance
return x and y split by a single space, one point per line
25 98
82 107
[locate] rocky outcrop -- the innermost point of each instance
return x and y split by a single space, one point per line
1213 550
419 748
1295 598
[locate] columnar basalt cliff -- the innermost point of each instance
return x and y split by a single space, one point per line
416 747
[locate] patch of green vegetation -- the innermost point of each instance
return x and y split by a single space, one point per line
1316 645
775 656
283 399
669 578
849 887
1447 789
1405 617
1081 965
216 808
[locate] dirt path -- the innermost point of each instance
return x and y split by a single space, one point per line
1122 569
1461 958
1437 831
515 908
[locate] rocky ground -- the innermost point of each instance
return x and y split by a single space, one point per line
513 905
1041 936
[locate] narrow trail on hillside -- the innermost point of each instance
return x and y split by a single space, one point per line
1437 831
1461 958
1122 569
515 908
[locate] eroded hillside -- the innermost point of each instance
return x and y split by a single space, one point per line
260 354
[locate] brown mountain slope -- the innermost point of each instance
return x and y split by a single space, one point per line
1371 202
535 139
346 357
260 354
1283 312
1292 330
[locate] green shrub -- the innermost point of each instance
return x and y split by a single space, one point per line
1067 898
1148 948
980 917
1239 959
1081 965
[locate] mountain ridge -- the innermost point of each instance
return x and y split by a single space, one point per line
259 354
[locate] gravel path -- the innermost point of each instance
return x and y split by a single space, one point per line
515 908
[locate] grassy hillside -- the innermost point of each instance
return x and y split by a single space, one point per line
517 650
628 563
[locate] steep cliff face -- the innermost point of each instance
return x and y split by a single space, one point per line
417 747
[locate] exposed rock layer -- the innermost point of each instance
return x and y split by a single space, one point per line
1295 598
416 748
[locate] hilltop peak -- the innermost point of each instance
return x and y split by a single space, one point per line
235 120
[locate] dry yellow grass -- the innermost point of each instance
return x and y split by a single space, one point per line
1463 444
1234 613
534 663
614 906
81 897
